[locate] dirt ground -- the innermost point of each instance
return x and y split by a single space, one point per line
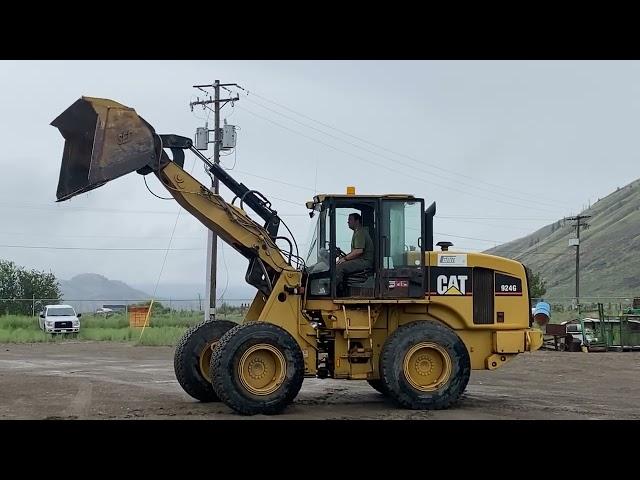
97 380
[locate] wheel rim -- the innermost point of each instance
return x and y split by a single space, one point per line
262 369
205 360
427 366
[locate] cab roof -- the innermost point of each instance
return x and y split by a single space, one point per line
324 196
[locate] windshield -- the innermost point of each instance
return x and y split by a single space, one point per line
60 312
318 257
312 254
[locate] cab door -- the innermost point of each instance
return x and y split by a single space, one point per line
402 273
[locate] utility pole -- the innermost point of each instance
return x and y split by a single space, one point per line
212 243
576 242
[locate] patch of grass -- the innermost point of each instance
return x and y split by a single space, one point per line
107 334
165 320
177 320
154 336
97 321
168 336
12 322
164 329
23 335
234 317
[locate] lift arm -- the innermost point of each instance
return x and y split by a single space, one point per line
105 140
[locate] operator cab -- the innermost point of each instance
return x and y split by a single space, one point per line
397 225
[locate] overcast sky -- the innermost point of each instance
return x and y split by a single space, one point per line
503 147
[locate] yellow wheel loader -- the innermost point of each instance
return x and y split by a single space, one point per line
414 324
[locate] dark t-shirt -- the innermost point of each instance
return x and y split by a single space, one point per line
361 239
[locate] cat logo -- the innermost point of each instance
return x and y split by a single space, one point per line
451 284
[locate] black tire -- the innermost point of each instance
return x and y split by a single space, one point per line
232 350
186 361
392 365
575 347
378 385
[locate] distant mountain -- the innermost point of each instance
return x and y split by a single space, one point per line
609 249
185 296
89 291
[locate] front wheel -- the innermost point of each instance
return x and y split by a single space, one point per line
192 359
424 366
258 368
378 386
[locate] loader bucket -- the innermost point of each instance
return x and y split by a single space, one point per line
103 141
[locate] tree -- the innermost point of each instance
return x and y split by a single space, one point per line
9 286
157 308
538 286
41 286
18 283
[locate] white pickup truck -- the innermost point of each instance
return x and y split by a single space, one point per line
59 319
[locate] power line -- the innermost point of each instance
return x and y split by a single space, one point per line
518 252
119 211
162 212
429 172
251 92
276 181
524 253
468 238
496 218
504 227
413 177
155 237
86 209
47 247
431 183
485 240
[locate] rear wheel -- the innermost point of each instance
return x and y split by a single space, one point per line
192 359
257 368
378 386
424 366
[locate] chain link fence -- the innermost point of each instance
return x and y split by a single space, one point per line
562 308
566 308
34 306
120 320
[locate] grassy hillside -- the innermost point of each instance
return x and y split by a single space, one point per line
609 248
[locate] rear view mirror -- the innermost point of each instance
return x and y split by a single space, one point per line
41 315
79 315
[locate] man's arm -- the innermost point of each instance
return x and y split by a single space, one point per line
355 253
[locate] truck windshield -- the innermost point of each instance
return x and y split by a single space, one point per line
318 257
60 312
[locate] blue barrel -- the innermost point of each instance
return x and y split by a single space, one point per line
542 308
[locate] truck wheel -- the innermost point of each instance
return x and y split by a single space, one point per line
192 359
378 385
424 366
257 368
